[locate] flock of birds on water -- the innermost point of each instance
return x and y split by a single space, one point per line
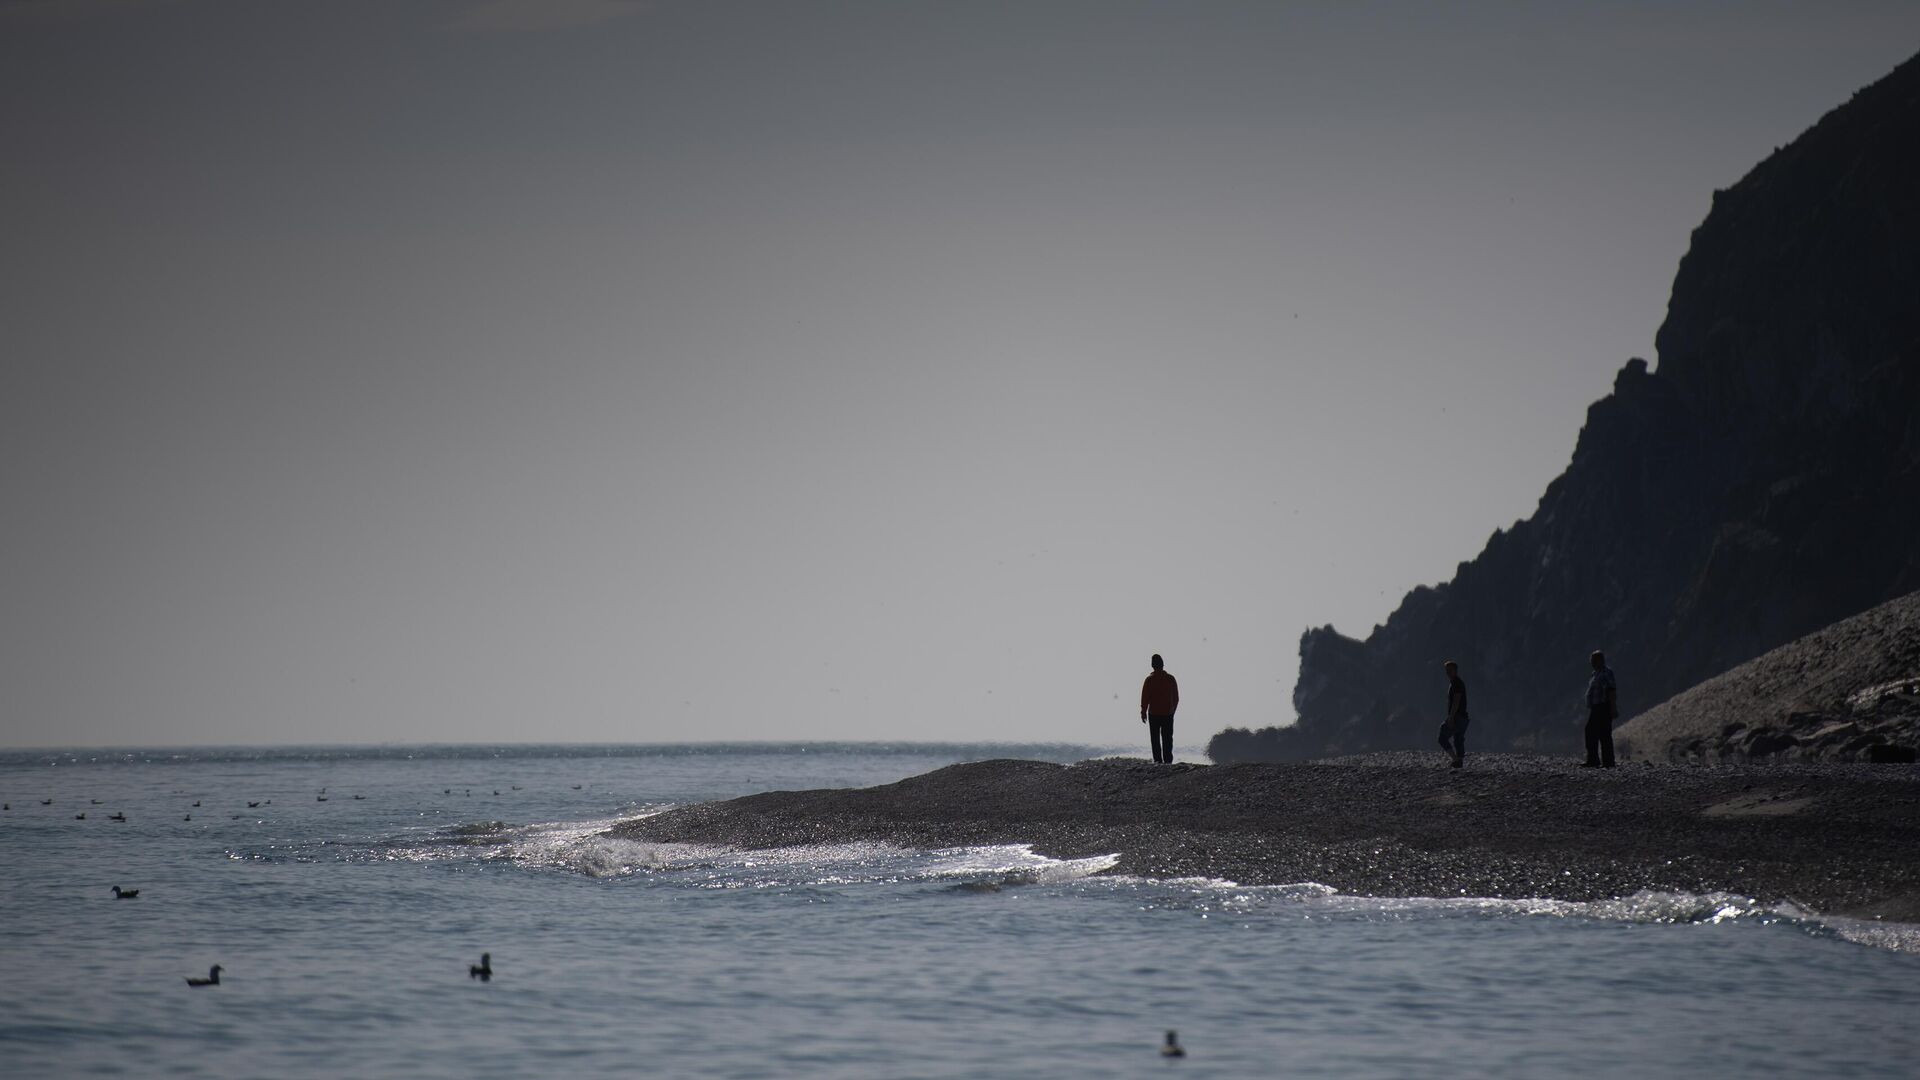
483 971
252 804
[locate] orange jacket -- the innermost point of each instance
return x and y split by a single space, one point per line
1159 695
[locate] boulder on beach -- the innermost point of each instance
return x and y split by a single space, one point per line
1849 692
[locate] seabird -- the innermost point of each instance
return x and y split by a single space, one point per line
116 816
1173 1047
251 805
46 802
81 816
482 970
212 979
125 894
196 802
319 798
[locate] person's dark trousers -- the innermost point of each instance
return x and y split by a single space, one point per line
1453 738
1160 731
1600 736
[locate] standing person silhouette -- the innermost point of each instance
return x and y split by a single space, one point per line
1603 707
1159 697
1453 730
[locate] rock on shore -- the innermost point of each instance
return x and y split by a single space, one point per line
1849 692
1833 838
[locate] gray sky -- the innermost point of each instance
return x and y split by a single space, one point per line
585 370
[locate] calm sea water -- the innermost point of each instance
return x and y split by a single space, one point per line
346 928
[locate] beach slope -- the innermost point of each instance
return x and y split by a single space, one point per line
1833 838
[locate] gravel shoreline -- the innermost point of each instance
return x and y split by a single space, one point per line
1840 839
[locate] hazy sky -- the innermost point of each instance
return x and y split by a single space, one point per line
587 370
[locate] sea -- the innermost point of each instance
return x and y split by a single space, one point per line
347 892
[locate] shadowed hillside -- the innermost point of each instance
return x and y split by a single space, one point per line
1762 482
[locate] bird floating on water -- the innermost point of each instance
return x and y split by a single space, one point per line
1173 1047
116 816
196 802
189 817
482 970
212 979
359 796
95 802
576 787
251 805
125 894
319 798
46 802
81 816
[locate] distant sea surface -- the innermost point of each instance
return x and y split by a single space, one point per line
346 928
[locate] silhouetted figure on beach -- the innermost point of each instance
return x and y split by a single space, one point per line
1159 697
1453 730
1603 708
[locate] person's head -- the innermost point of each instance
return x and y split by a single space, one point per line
1158 664
1599 659
1451 668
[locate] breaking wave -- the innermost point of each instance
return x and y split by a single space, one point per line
584 847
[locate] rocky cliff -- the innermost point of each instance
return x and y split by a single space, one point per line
1762 482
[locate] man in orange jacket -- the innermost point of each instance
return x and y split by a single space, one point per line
1159 697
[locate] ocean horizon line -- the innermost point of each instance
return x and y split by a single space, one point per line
717 745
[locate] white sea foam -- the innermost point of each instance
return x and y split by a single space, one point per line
583 847
1015 864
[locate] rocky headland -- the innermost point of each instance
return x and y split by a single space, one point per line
1832 838
1756 485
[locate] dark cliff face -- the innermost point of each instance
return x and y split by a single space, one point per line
1762 482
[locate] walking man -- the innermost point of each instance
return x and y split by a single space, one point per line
1603 707
1453 730
1159 697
